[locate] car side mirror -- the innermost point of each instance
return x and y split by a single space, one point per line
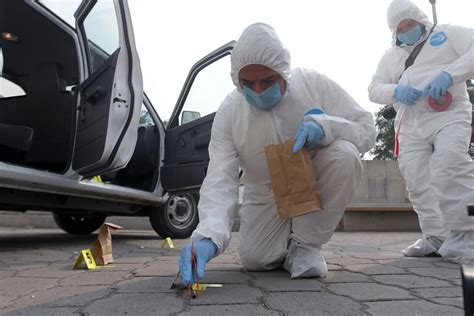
188 116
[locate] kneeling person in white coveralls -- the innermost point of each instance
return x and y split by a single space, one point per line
273 103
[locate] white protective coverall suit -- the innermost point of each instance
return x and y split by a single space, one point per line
433 146
240 133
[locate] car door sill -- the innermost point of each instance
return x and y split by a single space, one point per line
40 181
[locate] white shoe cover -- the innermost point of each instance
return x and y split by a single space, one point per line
425 247
304 261
458 247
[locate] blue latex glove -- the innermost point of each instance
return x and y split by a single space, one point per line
204 250
438 87
309 134
407 94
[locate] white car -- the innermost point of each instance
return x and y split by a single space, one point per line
78 136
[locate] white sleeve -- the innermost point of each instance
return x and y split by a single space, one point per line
382 87
343 118
220 189
462 41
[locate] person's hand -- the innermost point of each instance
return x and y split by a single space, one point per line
204 250
309 134
407 94
438 87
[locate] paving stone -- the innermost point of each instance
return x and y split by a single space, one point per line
374 269
435 292
279 284
95 277
6 274
6 300
240 309
377 255
409 308
452 301
45 255
407 263
55 271
369 291
343 261
223 266
455 281
137 304
20 286
155 269
19 265
410 281
133 258
334 267
344 277
62 296
317 303
121 266
146 285
445 264
44 311
225 277
440 273
228 294
271 273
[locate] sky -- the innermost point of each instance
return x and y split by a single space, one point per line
342 39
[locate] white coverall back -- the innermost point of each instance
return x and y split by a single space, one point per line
433 157
240 133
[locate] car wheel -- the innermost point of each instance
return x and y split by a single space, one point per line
178 217
79 224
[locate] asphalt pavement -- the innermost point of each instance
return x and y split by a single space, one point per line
367 276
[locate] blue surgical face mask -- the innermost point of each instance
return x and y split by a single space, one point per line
412 36
265 100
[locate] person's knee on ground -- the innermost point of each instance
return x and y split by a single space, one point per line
255 258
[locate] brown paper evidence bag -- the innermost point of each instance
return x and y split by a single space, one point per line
293 180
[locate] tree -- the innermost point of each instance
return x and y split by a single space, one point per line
385 140
470 89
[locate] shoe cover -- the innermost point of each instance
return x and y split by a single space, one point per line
304 261
458 247
425 247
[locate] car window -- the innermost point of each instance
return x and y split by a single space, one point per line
210 87
145 117
63 9
101 27
8 88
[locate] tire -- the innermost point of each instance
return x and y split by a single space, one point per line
79 224
177 218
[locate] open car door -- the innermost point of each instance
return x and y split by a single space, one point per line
111 95
189 130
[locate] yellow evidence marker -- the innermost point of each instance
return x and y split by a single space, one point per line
85 256
168 242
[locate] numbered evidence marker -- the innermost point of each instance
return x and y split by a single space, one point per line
168 242
85 256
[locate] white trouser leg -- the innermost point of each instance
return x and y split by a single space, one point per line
263 235
338 170
414 161
452 176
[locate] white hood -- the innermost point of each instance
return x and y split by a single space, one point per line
400 10
259 44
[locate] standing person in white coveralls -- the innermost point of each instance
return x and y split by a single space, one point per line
273 103
433 145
